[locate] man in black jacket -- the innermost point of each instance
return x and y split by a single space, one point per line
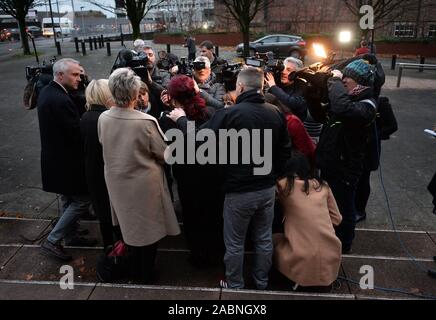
62 159
250 190
341 150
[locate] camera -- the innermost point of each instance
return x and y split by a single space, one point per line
137 62
229 75
33 72
268 63
186 68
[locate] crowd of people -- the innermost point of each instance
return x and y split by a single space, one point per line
300 216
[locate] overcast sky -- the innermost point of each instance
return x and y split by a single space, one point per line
65 5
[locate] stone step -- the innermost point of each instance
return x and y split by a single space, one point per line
368 242
376 248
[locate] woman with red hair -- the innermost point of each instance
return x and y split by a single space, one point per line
198 202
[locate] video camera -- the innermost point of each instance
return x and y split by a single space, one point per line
268 63
313 82
229 74
137 62
186 68
33 72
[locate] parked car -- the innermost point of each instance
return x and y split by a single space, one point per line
282 45
15 33
5 34
34 31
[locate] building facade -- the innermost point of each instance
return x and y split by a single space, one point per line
410 19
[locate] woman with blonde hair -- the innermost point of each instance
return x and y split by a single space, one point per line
98 100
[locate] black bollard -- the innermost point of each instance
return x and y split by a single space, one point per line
90 43
217 51
58 48
83 48
95 43
122 39
394 62
108 48
101 41
168 48
421 61
76 42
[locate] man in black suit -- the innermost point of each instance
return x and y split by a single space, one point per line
62 159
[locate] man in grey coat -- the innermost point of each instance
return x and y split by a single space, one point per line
210 90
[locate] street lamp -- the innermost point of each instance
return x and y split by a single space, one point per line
83 26
344 37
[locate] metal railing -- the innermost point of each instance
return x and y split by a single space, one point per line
416 66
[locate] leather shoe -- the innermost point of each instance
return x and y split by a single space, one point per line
55 250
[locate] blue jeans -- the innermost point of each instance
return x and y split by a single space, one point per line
73 208
239 210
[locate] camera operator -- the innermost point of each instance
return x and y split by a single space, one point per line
156 82
216 63
341 149
289 93
210 90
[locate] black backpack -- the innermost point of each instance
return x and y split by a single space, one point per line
386 121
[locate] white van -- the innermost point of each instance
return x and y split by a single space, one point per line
62 26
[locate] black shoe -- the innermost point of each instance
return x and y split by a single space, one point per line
56 251
360 216
81 242
434 258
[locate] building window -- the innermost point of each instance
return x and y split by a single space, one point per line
432 31
404 30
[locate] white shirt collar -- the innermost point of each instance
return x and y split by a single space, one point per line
61 86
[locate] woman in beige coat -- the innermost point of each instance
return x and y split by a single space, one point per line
308 253
133 153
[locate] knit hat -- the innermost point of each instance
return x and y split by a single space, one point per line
360 71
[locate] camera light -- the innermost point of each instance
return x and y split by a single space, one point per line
344 36
319 50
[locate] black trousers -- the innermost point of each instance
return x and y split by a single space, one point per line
141 262
363 191
432 188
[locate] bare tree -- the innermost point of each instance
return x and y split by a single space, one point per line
385 11
136 10
19 10
244 11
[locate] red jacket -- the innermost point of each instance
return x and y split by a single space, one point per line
301 140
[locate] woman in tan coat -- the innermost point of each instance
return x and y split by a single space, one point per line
308 253
133 153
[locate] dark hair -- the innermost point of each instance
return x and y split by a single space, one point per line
207 44
181 88
298 166
364 43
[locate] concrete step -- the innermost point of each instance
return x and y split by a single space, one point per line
378 248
